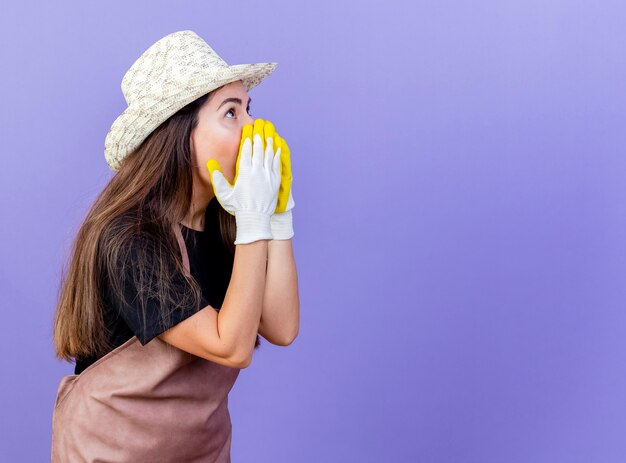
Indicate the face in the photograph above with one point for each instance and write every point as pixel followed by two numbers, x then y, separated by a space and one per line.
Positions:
pixel 218 133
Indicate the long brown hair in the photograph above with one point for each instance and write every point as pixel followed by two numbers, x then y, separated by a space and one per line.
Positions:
pixel 137 210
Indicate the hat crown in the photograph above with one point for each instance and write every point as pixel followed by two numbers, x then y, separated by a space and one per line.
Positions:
pixel 173 62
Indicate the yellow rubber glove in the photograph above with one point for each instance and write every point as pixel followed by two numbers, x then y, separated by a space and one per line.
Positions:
pixel 253 195
pixel 282 220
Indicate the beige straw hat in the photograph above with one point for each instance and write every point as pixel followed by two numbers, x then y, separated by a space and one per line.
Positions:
pixel 173 72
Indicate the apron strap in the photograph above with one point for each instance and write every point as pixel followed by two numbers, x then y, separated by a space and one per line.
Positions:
pixel 183 248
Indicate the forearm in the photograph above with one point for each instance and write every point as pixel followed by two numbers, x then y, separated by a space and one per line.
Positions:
pixel 280 316
pixel 238 320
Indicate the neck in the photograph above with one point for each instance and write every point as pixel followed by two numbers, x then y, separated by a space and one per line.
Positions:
pixel 201 198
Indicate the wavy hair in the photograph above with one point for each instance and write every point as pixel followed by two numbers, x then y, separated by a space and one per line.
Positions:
pixel 149 195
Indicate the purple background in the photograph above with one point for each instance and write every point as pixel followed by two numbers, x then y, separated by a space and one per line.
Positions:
pixel 459 184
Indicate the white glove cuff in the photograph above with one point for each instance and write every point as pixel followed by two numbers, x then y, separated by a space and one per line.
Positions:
pixel 282 225
pixel 252 226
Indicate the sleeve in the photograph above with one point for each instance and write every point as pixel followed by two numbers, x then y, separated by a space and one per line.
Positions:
pixel 149 320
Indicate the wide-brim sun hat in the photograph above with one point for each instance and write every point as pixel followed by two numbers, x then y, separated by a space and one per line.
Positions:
pixel 173 72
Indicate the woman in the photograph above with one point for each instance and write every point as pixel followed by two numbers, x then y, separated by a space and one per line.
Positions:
pixel 183 258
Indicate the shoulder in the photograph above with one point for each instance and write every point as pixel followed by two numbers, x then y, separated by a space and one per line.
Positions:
pixel 145 240
pixel 139 253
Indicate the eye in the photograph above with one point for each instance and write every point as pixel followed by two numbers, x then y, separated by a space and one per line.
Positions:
pixel 233 111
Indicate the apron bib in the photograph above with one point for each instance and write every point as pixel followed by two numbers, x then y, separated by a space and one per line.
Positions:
pixel 137 403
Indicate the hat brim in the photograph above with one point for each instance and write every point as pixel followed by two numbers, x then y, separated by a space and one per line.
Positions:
pixel 144 115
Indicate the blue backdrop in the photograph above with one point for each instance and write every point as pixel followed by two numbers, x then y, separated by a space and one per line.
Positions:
pixel 459 223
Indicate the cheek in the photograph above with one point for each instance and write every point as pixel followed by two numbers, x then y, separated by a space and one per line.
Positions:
pixel 222 147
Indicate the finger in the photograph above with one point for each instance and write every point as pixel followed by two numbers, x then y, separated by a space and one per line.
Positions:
pixel 276 165
pixel 277 141
pixel 269 131
pixel 269 155
pixel 285 147
pixel 244 160
pixel 286 159
pixel 221 187
pixel 258 142
pixel 257 151
pixel 213 166
pixel 246 133
pixel 258 127
pixel 283 188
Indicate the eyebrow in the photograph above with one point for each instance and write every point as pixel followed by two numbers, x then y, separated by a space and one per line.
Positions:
pixel 236 100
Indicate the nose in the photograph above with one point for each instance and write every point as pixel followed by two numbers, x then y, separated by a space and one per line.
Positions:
pixel 248 119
